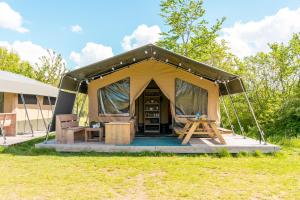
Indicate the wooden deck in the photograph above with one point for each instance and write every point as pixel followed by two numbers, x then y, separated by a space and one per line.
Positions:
pixel 19 138
pixel 234 144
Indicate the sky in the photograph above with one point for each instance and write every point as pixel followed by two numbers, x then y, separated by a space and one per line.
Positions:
pixel 88 31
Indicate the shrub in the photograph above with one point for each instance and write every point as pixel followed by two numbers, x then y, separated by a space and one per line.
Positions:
pixel 223 153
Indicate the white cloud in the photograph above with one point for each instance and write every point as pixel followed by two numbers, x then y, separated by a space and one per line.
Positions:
pixel 248 38
pixel 10 19
pixel 76 28
pixel 91 53
pixel 27 50
pixel 142 35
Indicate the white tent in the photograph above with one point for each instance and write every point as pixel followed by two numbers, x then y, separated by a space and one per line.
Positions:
pixel 15 83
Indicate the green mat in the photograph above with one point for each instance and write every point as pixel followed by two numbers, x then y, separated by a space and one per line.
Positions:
pixel 156 141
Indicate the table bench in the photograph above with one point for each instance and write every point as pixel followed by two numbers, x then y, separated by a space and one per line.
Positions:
pixel 199 127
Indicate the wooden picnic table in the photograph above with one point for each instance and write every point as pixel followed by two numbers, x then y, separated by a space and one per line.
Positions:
pixel 199 127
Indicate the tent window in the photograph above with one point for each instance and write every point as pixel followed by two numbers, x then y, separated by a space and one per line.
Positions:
pixel 114 98
pixel 1 102
pixel 46 101
pixel 29 99
pixel 190 99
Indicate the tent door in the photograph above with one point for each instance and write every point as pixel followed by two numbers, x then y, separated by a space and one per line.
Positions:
pixel 153 112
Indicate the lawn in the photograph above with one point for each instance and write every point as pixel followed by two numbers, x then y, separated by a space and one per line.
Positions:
pixel 27 173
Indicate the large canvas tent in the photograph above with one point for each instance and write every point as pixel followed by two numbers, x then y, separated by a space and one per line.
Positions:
pixel 30 102
pixel 117 83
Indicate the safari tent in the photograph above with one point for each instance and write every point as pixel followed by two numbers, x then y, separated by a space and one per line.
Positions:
pixel 119 87
pixel 25 104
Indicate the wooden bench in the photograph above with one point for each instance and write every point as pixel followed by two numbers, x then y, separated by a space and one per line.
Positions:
pixel 68 129
pixel 8 124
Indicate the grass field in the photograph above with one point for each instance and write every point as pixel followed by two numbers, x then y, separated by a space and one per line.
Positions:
pixel 28 173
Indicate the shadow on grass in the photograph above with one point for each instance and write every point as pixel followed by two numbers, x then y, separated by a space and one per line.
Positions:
pixel 28 149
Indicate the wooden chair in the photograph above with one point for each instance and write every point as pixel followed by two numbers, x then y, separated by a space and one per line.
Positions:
pixel 68 129
pixel 8 124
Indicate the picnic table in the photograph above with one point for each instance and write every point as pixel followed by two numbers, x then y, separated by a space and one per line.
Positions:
pixel 199 127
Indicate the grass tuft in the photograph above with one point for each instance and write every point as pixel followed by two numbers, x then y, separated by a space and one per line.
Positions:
pixel 223 153
pixel 258 153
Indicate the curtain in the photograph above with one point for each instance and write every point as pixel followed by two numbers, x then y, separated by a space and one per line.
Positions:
pixel 190 99
pixel 114 98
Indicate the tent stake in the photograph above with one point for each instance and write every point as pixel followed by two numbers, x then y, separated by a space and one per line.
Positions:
pixel 234 110
pixel 227 114
pixel 252 112
pixel 45 124
pixel 27 115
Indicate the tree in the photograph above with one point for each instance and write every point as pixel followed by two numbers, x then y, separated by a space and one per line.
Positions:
pixel 272 79
pixel 190 35
pixel 11 62
pixel 50 68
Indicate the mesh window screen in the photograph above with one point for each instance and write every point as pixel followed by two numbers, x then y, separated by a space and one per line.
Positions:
pixel 29 99
pixel 46 101
pixel 1 102
pixel 190 99
pixel 114 98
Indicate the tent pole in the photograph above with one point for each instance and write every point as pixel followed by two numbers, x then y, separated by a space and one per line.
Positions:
pixel 45 124
pixel 261 132
pixel 27 115
pixel 227 114
pixel 77 92
pixel 49 125
pixel 234 110
pixel 49 100
pixel 83 103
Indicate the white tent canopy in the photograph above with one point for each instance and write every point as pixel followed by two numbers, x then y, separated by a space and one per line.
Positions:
pixel 15 83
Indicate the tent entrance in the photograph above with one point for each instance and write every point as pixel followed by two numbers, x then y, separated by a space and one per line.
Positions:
pixel 153 112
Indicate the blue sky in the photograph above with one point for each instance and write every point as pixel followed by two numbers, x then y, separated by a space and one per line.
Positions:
pixel 104 24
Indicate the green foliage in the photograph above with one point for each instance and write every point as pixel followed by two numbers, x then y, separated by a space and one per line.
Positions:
pixel 50 68
pixel 242 154
pixel 191 35
pixel 10 61
pixel 223 153
pixel 258 153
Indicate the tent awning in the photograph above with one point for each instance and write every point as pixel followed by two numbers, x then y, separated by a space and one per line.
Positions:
pixel 72 79
pixel 15 83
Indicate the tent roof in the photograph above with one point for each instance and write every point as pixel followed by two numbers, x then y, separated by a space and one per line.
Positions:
pixel 150 51
pixel 15 83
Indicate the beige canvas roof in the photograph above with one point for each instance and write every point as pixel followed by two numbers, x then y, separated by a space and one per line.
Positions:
pixel 91 72
pixel 15 83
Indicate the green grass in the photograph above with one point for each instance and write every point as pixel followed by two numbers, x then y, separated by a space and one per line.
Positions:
pixel 29 173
